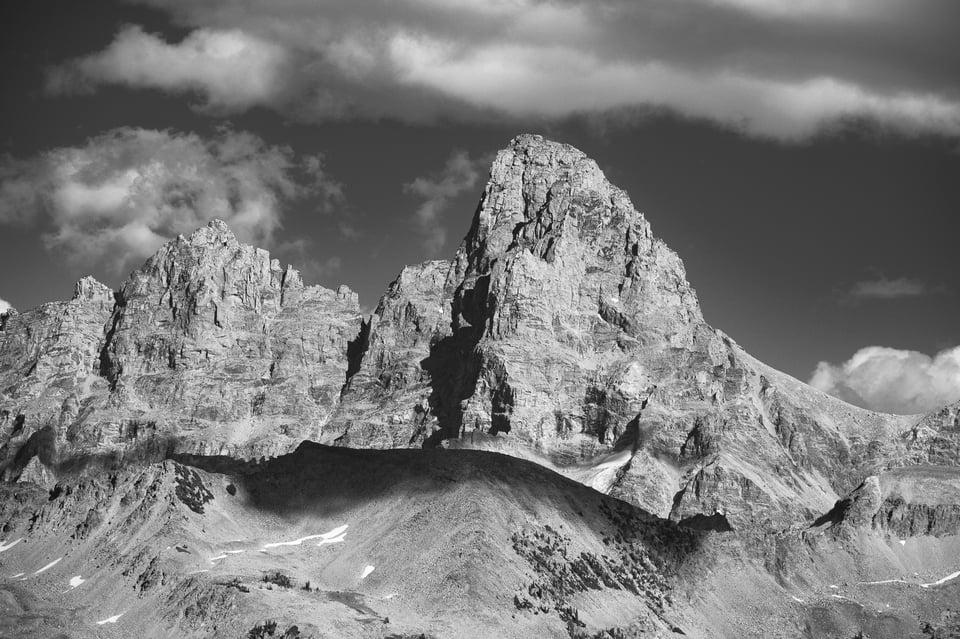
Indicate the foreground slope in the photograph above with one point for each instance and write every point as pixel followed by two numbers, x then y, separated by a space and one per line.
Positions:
pixel 334 542
pixel 391 542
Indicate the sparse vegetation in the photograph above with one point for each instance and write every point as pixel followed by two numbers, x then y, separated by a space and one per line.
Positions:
pixel 236 583
pixel 561 574
pixel 269 629
pixel 277 578
pixel 190 489
pixel 261 630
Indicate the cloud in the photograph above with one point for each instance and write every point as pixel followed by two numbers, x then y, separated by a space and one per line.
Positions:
pixel 892 380
pixel 118 198
pixel 772 68
pixel 459 175
pixel 4 306
pixel 889 289
pixel 232 69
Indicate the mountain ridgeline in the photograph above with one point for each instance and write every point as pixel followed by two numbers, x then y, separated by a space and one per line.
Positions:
pixel 563 332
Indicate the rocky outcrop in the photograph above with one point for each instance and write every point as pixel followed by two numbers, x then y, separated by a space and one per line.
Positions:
pixel 905 502
pixel 212 332
pixel 935 439
pixel 920 500
pixel 389 398
pixel 210 347
pixel 49 360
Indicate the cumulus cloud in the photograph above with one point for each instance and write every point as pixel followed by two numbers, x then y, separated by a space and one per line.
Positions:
pixel 4 306
pixel 459 175
pixel 231 69
pixel 892 380
pixel 772 68
pixel 889 289
pixel 119 197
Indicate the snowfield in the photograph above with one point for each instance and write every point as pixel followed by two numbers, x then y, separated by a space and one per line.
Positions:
pixel 112 619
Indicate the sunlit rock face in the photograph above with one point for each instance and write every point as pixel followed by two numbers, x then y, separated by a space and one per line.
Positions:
pixel 575 339
pixel 563 331
pixel 210 347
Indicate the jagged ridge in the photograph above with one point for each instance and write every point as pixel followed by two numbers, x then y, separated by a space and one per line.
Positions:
pixel 563 331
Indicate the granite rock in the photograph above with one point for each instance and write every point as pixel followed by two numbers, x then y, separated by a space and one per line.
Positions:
pixel 387 400
pixel 210 347
pixel 576 340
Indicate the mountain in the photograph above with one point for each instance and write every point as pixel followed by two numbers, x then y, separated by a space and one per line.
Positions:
pixel 210 347
pixel 563 335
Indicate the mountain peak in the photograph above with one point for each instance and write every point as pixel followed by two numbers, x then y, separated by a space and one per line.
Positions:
pixel 536 145
pixel 89 288
pixel 216 232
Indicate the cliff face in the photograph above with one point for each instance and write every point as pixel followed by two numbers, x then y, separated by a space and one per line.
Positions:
pixel 209 347
pixel 575 339
pixel 563 331
pixel 387 401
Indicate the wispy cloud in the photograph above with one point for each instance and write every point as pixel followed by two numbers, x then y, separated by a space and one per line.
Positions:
pixel 459 175
pixel 773 68
pixel 119 197
pixel 893 380
pixel 883 288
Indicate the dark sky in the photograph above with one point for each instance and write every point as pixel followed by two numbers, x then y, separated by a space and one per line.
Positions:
pixel 803 160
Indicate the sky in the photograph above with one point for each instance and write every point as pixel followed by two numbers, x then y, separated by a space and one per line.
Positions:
pixel 802 156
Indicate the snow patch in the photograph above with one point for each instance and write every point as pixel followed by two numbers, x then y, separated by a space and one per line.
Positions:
pixel 903 542
pixel 49 566
pixel 5 546
pixel 112 619
pixel 295 542
pixel 949 577
pixel 19 574
pixel 233 552
pixel 797 599
pixel 847 599
pixel 213 559
pixel 333 540
pixel 366 572
pixel 834 586
pixel 332 537
pixel 76 581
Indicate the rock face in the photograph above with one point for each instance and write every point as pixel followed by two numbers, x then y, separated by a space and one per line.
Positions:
pixel 575 339
pixel 210 347
pixel 386 403
pixel 563 331
pixel 49 357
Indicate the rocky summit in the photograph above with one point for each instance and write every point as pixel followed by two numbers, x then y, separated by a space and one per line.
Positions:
pixel 707 493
